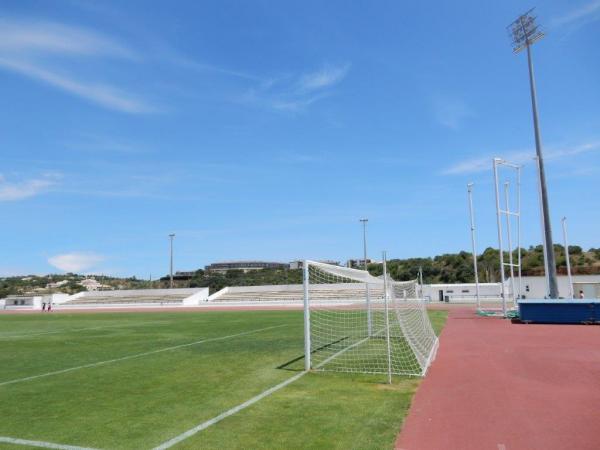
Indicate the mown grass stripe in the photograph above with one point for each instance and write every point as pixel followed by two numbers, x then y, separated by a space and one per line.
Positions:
pixel 138 355
pixel 42 444
pixel 170 443
pixel 70 330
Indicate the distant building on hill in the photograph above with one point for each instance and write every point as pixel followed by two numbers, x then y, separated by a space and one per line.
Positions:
pixel 91 284
pixel 57 284
pixel 246 266
pixel 299 264
pixel 358 263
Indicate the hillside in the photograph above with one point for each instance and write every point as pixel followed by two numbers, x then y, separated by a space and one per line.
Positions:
pixel 447 268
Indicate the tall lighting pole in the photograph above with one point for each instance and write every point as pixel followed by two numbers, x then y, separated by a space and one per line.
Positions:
pixel 364 222
pixel 524 32
pixel 369 320
pixel 473 245
pixel 566 242
pixel 171 236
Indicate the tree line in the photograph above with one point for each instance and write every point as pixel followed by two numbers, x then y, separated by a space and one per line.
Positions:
pixel 446 268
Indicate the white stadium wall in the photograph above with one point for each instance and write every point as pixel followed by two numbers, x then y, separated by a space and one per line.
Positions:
pixel 461 292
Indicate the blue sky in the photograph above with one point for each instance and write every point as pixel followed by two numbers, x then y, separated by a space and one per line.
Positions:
pixel 265 130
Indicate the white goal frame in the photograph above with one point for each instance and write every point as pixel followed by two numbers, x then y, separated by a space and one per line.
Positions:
pixel 381 327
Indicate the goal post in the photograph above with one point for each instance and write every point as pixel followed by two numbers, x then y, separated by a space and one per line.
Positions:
pixel 355 322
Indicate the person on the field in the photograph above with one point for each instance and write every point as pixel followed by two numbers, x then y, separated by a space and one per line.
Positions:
pixel 581 296
pixel 43 306
pixel 49 306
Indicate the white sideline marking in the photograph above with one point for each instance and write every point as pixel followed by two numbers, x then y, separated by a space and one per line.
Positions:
pixel 170 443
pixel 9 440
pixel 177 439
pixel 138 355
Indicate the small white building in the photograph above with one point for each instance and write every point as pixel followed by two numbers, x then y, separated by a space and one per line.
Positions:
pixel 462 292
pixel 535 287
pixel 299 264
pixel 57 284
pixel 90 284
pixel 531 288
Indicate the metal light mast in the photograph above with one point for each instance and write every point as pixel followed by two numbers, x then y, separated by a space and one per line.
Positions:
pixel 567 257
pixel 369 319
pixel 171 236
pixel 524 32
pixel 364 222
pixel 473 245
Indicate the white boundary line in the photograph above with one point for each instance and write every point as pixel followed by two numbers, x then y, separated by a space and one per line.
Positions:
pixel 177 439
pixel 170 443
pixel 138 355
pixel 15 441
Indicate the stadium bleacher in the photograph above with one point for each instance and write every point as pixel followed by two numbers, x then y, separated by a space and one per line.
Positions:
pixel 133 297
pixel 294 293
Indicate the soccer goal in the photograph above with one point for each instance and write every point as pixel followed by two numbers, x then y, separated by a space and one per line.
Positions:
pixel 355 322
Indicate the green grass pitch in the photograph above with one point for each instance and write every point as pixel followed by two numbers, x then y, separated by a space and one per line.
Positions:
pixel 141 402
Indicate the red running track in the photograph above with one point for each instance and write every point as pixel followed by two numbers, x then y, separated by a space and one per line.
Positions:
pixel 501 386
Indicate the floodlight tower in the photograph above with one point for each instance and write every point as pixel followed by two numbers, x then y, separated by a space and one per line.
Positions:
pixel 171 236
pixel 364 222
pixel 473 245
pixel 524 32
pixel 369 320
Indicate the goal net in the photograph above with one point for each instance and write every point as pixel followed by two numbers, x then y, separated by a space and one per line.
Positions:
pixel 355 322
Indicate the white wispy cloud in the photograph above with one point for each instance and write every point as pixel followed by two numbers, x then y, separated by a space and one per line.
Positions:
pixel 33 49
pixel 102 94
pixel 481 164
pixel 19 36
pixel 298 158
pixel 92 143
pixel 451 112
pixel 76 261
pixel 19 190
pixel 325 77
pixel 586 12
pixel 295 93
pixel 187 63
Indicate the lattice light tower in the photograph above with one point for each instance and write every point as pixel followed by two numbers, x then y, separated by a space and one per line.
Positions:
pixel 524 32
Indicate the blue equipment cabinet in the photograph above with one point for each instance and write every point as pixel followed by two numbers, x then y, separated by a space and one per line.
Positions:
pixel 560 311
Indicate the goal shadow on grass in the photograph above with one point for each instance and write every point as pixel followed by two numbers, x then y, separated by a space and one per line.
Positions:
pixel 297 364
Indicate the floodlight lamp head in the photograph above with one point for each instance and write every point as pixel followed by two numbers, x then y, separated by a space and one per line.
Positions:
pixel 363 220
pixel 524 31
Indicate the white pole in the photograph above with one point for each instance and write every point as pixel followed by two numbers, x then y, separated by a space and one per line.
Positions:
pixel 171 236
pixel 499 224
pixel 543 224
pixel 510 247
pixel 564 227
pixel 387 318
pixel 307 362
pixel 519 228
pixel 369 320
pixel 473 245
pixel 421 282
